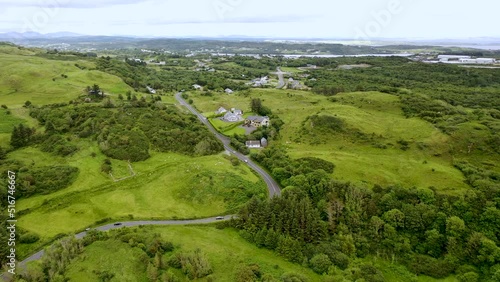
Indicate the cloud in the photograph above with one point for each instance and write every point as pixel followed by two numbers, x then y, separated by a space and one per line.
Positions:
pixel 68 3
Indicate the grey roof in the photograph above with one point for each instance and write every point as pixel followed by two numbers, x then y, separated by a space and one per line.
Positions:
pixel 257 118
pixel 253 143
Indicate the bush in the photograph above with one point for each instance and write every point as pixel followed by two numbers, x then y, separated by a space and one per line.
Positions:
pixel 29 238
pixel 293 277
pixel 45 180
pixel 320 263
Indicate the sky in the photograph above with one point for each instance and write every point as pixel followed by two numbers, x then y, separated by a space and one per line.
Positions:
pixel 329 19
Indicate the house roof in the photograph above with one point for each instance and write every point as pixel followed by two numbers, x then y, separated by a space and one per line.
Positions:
pixel 257 118
pixel 253 143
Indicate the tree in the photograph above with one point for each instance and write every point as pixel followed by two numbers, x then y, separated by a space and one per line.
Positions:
pixel 21 136
pixel 256 105
pixel 320 263
pixel 3 153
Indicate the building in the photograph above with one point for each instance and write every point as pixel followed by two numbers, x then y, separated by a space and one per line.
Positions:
pixel 197 87
pixel 237 111
pixel 229 91
pixel 253 144
pixel 263 142
pixel 234 115
pixel 257 121
pixel 220 111
pixel 468 61
pixel 485 60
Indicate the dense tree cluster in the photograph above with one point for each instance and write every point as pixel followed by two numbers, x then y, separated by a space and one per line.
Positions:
pixel 21 136
pixel 126 134
pixel 473 88
pixel 44 180
pixel 326 223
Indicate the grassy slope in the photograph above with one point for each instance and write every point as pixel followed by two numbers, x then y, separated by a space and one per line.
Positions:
pixel 361 163
pixel 26 77
pixel 220 246
pixel 166 186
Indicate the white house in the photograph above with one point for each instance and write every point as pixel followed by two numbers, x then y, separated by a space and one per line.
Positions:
pixel 197 87
pixel 237 111
pixel 220 111
pixel 234 115
pixel 231 117
pixel 229 91
pixel 253 144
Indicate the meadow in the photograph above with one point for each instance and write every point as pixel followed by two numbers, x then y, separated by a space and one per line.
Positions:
pixel 220 246
pixel 425 163
pixel 26 77
pixel 166 186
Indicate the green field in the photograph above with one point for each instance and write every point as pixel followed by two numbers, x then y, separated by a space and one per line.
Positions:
pixel 426 163
pixel 8 121
pixel 39 80
pixel 166 186
pixel 220 246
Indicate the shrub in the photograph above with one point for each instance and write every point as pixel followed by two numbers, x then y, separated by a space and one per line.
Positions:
pixel 29 238
pixel 320 263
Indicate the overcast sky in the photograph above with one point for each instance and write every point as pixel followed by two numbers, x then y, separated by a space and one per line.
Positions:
pixel 362 19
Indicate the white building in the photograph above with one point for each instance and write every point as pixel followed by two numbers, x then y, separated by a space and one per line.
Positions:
pixel 151 90
pixel 485 61
pixel 197 87
pixel 229 91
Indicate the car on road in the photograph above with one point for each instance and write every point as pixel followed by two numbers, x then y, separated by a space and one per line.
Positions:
pixel 87 229
pixel 117 224
pixel 219 218
pixel 246 161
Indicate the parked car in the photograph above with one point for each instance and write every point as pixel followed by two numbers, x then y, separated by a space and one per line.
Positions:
pixel 219 218
pixel 117 224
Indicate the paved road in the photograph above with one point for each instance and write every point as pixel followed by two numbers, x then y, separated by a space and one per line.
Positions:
pixel 272 186
pixel 21 265
pixel 281 77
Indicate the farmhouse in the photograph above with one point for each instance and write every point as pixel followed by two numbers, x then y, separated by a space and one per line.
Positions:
pixel 257 121
pixel 253 144
pixel 256 143
pixel 229 91
pixel 197 87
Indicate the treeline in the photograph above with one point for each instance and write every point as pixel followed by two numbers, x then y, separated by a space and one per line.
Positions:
pixel 468 87
pixel 138 76
pixel 125 134
pixel 327 224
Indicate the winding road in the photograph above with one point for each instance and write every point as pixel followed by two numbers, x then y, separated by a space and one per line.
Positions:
pixel 281 77
pixel 272 186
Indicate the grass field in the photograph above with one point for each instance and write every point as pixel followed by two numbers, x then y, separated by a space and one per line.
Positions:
pixel 426 163
pixel 220 246
pixel 166 186
pixel 39 80
pixel 8 121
